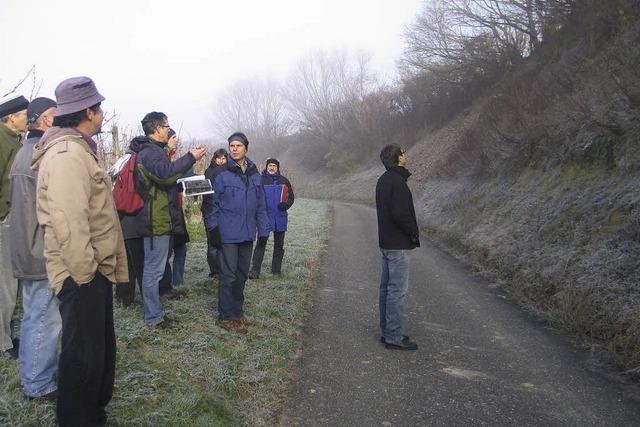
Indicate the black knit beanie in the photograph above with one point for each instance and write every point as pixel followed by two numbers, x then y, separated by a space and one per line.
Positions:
pixel 38 106
pixel 239 136
pixel 274 161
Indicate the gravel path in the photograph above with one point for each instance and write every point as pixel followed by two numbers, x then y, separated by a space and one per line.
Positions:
pixel 482 360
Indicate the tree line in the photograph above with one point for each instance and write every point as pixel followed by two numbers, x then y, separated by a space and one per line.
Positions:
pixel 331 111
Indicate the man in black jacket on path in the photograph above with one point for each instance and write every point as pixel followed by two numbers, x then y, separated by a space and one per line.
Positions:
pixel 397 234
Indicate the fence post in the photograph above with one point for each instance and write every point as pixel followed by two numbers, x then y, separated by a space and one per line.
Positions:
pixel 115 138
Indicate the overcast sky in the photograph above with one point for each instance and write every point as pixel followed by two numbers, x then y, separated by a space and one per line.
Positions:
pixel 175 56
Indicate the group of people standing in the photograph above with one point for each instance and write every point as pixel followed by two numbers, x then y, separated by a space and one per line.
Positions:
pixel 62 237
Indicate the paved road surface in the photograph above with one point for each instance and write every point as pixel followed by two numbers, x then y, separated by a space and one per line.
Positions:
pixel 481 361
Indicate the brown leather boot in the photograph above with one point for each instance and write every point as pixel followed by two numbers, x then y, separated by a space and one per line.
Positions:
pixel 232 326
pixel 244 321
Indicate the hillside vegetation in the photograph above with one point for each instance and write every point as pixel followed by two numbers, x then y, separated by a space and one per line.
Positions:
pixel 537 181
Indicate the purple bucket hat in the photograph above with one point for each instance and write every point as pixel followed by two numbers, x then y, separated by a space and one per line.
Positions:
pixel 76 94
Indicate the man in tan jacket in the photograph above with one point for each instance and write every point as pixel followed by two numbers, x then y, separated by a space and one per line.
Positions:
pixel 84 251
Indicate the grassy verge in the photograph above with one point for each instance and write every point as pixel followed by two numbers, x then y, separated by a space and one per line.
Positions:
pixel 198 374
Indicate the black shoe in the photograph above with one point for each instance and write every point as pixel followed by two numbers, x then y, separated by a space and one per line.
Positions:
pixel 383 340
pixel 12 353
pixel 101 419
pixel 124 303
pixel 51 396
pixel 405 344
pixel 165 324
pixel 173 295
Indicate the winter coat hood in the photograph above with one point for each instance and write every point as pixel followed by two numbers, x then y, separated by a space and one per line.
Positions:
pixel 138 143
pixel 51 137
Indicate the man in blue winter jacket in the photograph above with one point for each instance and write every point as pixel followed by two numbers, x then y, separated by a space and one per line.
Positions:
pixel 279 199
pixel 238 212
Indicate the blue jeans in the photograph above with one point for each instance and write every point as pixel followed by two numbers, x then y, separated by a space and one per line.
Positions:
pixel 394 282
pixel 41 324
pixel 179 258
pixel 156 250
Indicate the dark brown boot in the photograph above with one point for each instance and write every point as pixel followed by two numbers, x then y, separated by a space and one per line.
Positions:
pixel 232 326
pixel 244 321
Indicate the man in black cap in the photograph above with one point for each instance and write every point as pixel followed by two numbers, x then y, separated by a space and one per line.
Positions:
pixel 239 212
pixel 279 199
pixel 41 322
pixel 84 251
pixel 13 123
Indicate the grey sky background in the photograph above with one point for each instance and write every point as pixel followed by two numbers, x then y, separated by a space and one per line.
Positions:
pixel 175 56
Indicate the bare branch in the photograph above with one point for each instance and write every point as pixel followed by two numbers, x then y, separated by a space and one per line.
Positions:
pixel 15 88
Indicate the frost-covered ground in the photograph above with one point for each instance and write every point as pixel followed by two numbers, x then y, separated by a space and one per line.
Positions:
pixel 197 373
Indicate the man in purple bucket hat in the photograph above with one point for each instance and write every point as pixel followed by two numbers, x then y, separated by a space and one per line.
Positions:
pixel 84 251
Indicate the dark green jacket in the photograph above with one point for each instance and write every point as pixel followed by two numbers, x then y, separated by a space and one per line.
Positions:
pixel 156 178
pixel 10 143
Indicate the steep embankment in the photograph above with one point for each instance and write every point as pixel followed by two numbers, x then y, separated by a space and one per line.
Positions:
pixel 539 184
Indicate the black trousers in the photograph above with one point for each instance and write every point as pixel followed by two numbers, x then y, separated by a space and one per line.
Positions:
pixel 212 255
pixel 234 270
pixel 164 285
pixel 87 366
pixel 126 292
pixel 278 254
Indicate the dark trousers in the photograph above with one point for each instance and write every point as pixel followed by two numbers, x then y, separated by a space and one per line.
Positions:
pixel 235 259
pixel 86 370
pixel 164 285
pixel 212 256
pixel 278 254
pixel 126 292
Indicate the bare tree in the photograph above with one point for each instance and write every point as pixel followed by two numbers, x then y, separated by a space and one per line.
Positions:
pixel 256 107
pixel 463 31
pixel 36 84
pixel 324 87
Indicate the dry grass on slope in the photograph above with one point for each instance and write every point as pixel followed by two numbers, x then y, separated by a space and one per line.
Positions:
pixel 538 185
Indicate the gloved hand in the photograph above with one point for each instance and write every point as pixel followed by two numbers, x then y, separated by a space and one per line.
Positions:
pixel 215 238
pixel 262 240
pixel 283 206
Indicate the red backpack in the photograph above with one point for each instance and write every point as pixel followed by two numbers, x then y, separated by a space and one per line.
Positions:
pixel 127 199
